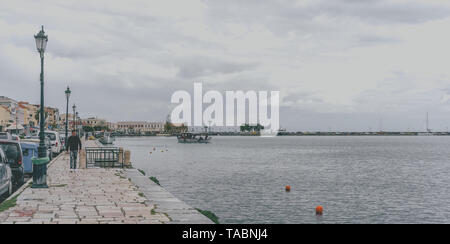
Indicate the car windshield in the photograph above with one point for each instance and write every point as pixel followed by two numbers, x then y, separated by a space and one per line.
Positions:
pixel 51 136
pixel 11 151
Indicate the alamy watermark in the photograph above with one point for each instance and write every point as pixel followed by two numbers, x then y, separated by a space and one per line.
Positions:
pixel 191 112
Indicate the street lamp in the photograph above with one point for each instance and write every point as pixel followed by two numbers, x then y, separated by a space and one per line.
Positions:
pixel 17 119
pixel 40 163
pixel 77 121
pixel 74 107
pixel 67 114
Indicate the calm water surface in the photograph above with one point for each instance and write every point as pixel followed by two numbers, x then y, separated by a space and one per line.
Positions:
pixel 356 179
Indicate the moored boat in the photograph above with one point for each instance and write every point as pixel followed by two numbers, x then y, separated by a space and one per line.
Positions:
pixel 193 138
pixel 107 139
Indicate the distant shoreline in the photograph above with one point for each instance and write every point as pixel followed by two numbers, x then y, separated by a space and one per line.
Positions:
pixel 306 134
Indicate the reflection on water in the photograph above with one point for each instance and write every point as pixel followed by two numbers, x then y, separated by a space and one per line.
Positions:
pixel 356 179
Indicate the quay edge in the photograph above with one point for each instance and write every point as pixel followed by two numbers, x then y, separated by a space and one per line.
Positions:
pixel 164 202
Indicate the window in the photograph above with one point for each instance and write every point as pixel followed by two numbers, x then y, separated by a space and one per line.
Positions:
pixel 11 150
pixel 51 136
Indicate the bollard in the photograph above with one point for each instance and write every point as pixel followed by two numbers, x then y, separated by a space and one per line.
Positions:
pixel 40 172
pixel 121 155
pixel 82 159
pixel 127 158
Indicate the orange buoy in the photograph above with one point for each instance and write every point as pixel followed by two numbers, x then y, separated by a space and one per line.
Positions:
pixel 288 188
pixel 319 210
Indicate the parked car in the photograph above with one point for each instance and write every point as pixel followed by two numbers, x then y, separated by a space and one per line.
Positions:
pixel 14 158
pixel 29 151
pixel 48 144
pixel 57 146
pixel 62 138
pixel 5 176
pixel 5 136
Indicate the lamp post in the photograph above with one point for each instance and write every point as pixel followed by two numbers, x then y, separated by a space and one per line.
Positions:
pixel 40 163
pixel 77 121
pixel 67 114
pixel 74 107
pixel 17 119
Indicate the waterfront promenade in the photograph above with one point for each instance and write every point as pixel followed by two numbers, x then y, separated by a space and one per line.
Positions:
pixel 96 196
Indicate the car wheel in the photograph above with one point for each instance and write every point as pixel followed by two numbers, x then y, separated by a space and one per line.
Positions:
pixel 21 181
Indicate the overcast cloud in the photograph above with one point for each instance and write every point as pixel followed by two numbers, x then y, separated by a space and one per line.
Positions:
pixel 339 64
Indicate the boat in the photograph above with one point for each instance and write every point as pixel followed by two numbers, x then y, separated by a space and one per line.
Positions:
pixel 193 138
pixel 428 130
pixel 107 139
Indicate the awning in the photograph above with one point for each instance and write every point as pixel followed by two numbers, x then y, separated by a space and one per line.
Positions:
pixel 13 127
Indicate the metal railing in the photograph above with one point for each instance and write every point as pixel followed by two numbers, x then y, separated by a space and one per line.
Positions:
pixel 104 157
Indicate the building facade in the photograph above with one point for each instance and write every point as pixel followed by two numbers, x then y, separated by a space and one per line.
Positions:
pixel 9 103
pixel 112 126
pixel 28 112
pixel 12 105
pixel 62 120
pixel 71 117
pixel 5 117
pixel 52 117
pixel 140 127
pixel 94 121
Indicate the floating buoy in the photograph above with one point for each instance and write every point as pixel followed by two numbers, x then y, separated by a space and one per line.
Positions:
pixel 288 188
pixel 319 210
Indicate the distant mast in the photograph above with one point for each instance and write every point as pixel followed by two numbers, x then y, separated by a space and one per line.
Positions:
pixel 428 128
pixel 381 124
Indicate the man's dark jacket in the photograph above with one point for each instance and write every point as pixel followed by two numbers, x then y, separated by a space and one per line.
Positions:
pixel 74 143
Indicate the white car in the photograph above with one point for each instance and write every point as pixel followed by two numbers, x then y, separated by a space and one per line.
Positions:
pixel 57 146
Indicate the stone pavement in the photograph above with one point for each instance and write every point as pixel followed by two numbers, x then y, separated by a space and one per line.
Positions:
pixel 91 196
pixel 163 201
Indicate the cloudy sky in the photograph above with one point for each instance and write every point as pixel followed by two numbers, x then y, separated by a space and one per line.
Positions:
pixel 338 64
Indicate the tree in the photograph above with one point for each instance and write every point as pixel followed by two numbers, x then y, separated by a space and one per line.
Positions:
pixel 251 128
pixel 100 128
pixel 38 114
pixel 179 129
pixel 183 128
pixel 245 127
pixel 168 126
pixel 88 128
pixel 258 127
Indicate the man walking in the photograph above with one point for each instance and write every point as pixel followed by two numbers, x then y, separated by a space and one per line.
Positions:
pixel 73 146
